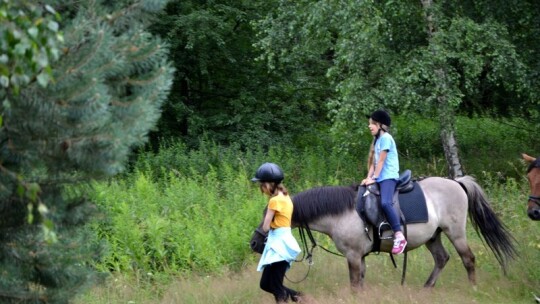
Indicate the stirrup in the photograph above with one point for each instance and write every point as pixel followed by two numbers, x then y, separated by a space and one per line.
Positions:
pixel 381 225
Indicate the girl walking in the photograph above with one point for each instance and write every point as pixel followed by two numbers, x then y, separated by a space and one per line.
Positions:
pixel 281 247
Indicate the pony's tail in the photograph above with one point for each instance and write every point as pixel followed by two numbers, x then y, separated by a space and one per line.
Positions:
pixel 486 222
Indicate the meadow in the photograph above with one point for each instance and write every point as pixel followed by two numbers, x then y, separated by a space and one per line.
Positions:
pixel 177 227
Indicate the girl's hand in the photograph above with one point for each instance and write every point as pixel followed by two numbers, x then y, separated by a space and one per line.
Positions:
pixel 368 181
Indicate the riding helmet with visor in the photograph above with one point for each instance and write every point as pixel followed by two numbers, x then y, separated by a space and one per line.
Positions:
pixel 268 172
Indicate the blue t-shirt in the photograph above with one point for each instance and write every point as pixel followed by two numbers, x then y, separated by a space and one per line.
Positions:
pixel 390 169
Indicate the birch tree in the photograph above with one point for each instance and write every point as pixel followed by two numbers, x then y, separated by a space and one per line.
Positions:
pixel 433 58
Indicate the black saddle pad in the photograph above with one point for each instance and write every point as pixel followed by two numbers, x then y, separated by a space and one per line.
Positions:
pixel 413 205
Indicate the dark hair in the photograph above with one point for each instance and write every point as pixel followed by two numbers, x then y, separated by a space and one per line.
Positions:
pixel 275 187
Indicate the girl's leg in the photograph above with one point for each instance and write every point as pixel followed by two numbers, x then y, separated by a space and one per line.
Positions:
pixel 387 195
pixel 272 281
pixel 387 188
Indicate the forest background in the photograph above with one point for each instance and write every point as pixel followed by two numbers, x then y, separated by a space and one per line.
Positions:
pixel 223 86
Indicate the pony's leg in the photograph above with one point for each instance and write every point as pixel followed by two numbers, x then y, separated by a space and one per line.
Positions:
pixel 357 271
pixel 440 257
pixel 467 257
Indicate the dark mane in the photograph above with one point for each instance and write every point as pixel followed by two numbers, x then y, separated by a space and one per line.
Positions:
pixel 534 164
pixel 314 203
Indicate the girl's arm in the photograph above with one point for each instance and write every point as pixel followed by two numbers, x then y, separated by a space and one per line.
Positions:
pixel 380 164
pixel 268 219
pixel 371 170
pixel 367 180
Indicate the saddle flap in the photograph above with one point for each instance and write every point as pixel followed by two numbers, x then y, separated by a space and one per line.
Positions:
pixel 368 205
pixel 372 209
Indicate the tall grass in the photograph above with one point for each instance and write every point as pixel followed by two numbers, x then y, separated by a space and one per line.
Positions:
pixel 209 269
pixel 187 215
pixel 183 226
pixel 187 211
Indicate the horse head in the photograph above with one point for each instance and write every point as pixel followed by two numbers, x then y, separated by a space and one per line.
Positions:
pixel 533 175
pixel 258 238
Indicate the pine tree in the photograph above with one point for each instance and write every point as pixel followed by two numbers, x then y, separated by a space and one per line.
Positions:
pixel 105 95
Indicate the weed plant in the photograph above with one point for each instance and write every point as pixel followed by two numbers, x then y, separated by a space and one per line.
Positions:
pixel 177 213
pixel 184 213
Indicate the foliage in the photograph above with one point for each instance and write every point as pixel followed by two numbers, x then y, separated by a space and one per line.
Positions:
pixel 485 144
pixel 109 83
pixel 182 195
pixel 184 211
pixel 188 219
pixel 317 165
pixel 170 232
pixel 221 90
pixel 518 19
pixel 30 41
pixel 383 57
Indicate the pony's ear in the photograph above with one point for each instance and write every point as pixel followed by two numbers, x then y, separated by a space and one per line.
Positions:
pixel 528 158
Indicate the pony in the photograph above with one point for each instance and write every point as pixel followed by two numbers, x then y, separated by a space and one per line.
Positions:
pixel 331 210
pixel 533 175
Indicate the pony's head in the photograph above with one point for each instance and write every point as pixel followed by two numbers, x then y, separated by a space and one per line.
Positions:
pixel 533 175
pixel 258 238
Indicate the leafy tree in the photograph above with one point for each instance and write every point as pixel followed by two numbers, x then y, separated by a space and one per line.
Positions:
pixel 29 42
pixel 106 91
pixel 437 58
pixel 222 90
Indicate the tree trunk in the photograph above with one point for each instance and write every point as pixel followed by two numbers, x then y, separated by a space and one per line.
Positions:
pixel 445 109
pixel 449 142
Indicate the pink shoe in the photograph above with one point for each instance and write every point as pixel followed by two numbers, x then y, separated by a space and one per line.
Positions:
pixel 399 246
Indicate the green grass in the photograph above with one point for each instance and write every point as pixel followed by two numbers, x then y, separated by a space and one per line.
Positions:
pixel 178 228
pixel 327 282
pixel 165 252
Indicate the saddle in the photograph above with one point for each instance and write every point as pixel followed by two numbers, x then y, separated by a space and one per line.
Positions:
pixel 369 208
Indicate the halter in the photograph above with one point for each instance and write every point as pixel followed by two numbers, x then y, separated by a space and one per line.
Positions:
pixel 534 198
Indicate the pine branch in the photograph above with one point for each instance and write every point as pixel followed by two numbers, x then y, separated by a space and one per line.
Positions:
pixel 88 102
pixel 141 82
pixel 91 55
pixel 112 19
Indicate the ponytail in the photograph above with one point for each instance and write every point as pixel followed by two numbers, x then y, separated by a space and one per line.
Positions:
pixel 282 188
pixel 371 154
pixel 274 188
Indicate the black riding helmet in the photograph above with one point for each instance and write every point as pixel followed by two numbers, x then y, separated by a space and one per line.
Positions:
pixel 269 172
pixel 382 117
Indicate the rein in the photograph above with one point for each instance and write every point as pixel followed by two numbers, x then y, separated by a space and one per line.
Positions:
pixel 308 253
pixel 313 242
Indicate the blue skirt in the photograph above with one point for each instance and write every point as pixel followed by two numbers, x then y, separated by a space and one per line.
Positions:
pixel 280 246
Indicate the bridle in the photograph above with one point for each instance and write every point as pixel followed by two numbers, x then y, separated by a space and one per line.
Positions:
pixel 534 198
